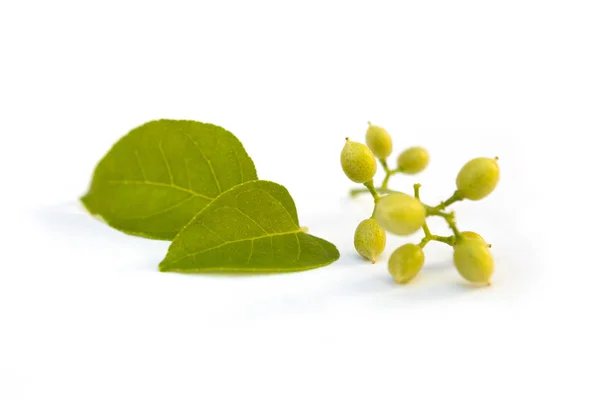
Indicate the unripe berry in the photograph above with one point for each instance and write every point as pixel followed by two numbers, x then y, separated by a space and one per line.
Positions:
pixel 478 178
pixel 400 214
pixel 369 239
pixel 474 236
pixel 413 160
pixel 406 262
pixel 473 260
pixel 358 162
pixel 379 141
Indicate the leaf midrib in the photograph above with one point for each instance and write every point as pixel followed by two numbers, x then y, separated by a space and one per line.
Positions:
pixel 161 184
pixel 299 230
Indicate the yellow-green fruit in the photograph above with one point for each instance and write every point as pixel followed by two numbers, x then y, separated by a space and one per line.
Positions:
pixel 473 260
pixel 358 162
pixel 379 141
pixel 406 262
pixel 474 236
pixel 413 160
pixel 369 239
pixel 400 214
pixel 478 178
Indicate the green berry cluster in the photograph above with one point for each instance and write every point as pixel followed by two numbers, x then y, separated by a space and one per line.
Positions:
pixel 402 214
pixel 359 162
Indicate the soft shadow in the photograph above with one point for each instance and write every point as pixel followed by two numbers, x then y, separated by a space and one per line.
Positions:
pixel 367 284
pixel 73 220
pixel 77 235
pixel 436 282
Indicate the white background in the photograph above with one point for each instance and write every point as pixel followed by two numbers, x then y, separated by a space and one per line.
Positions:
pixel 84 312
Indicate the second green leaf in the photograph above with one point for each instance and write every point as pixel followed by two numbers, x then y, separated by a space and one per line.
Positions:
pixel 253 227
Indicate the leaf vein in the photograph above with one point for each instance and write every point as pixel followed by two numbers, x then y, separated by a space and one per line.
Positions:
pixel 212 170
pixel 162 153
pixel 164 210
pixel 317 241
pixel 161 184
pixel 299 247
pixel 234 241
pixel 237 158
pixel 282 206
pixel 249 217
pixel 137 157
pixel 213 232
pixel 187 173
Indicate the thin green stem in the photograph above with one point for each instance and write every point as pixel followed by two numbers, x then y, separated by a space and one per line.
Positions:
pixel 357 191
pixel 388 173
pixel 383 162
pixel 430 211
pixel 426 231
pixel 456 196
pixel 384 183
pixel 416 189
pixel 449 217
pixel 372 190
pixel 449 240
pixel 452 225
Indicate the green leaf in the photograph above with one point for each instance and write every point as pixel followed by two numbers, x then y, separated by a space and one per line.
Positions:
pixel 252 227
pixel 158 176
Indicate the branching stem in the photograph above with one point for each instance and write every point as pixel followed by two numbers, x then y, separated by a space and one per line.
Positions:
pixel 456 196
pixel 449 217
pixel 373 191
pixel 380 190
pixel 430 211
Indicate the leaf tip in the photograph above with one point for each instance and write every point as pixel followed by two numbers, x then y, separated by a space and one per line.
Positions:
pixel 83 199
pixel 86 202
pixel 163 267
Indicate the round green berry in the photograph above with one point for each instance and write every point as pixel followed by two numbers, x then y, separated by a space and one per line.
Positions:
pixel 406 262
pixel 400 214
pixel 358 162
pixel 413 160
pixel 379 141
pixel 474 236
pixel 369 239
pixel 478 178
pixel 473 260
